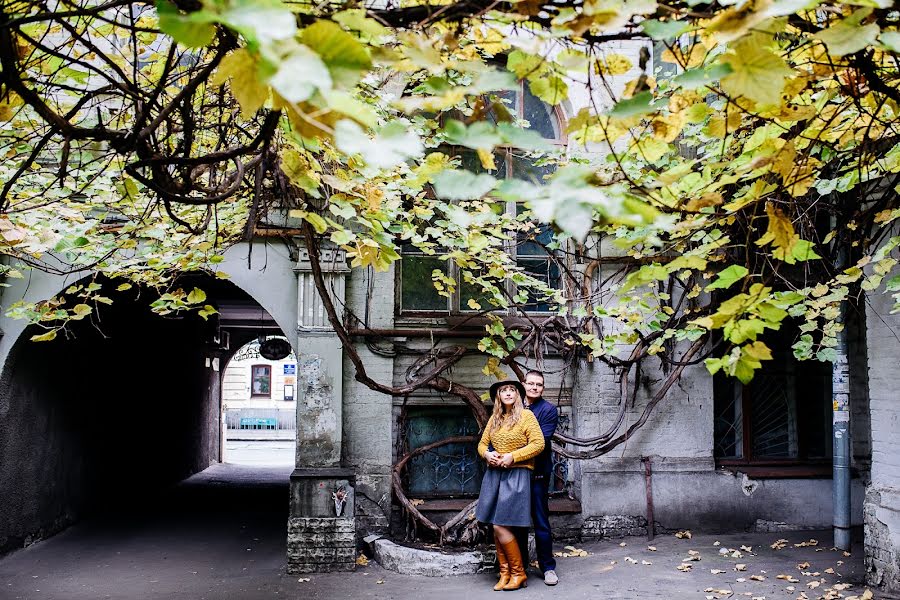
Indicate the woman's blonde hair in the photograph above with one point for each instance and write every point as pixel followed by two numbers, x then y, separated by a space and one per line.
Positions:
pixel 499 418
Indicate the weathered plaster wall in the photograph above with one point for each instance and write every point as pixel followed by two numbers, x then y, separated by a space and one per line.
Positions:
pixel 367 419
pixel 882 506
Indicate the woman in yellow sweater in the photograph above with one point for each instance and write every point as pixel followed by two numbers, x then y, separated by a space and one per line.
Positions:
pixel 511 440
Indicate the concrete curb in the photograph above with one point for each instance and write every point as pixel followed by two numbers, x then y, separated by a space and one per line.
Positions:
pixel 412 561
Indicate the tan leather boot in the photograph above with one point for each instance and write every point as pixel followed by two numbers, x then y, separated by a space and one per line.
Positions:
pixel 504 565
pixel 517 577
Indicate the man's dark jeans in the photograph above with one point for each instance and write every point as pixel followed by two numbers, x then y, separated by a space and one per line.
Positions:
pixel 540 518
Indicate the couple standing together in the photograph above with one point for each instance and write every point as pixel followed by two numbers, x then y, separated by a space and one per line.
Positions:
pixel 515 488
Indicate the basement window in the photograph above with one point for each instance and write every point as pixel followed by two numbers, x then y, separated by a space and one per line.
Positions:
pixel 780 419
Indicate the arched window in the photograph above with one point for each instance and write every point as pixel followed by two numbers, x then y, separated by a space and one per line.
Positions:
pixel 417 293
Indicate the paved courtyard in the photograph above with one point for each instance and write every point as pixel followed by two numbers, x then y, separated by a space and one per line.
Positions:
pixel 221 534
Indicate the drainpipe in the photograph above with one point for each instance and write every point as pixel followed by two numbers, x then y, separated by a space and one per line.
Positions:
pixel 840 389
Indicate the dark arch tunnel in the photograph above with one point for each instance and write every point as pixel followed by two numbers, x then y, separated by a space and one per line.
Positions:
pixel 108 417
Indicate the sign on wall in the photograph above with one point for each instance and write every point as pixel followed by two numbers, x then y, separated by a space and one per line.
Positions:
pixel 290 369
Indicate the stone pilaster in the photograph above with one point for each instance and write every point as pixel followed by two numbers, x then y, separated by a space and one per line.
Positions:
pixel 322 524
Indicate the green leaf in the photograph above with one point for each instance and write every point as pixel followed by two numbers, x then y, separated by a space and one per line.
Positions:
pixel 847 37
pixel 551 90
pixel 192 30
pixel 479 135
pixel 728 277
pixel 803 250
pixel 890 40
pixel 693 78
pixel 462 185
pixel 525 139
pixel 640 104
pixel 260 21
pixel 196 296
pixel 664 30
pixel 342 237
pixel 206 311
pixel 345 56
pixel 756 72
pixel 44 337
pixel 123 287
pixel 391 146
pixel 300 75
pixel 357 20
pixel 80 311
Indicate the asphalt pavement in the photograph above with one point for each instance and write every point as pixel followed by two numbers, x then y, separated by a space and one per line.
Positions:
pixel 221 534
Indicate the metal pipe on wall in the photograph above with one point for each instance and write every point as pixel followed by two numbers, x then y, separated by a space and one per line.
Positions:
pixel 840 391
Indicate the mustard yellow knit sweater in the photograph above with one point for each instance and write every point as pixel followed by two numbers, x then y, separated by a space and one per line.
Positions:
pixel 524 440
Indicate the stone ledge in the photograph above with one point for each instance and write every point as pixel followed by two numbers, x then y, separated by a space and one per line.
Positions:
pixel 412 561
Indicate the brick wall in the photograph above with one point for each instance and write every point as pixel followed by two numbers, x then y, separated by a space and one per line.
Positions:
pixel 882 504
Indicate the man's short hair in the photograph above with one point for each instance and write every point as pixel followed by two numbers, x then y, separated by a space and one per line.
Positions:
pixel 535 372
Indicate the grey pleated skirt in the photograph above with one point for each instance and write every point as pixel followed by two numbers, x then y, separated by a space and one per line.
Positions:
pixel 505 497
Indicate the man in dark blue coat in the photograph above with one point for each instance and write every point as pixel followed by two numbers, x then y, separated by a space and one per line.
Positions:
pixel 548 416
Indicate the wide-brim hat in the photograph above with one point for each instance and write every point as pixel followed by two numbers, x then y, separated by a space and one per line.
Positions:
pixel 513 382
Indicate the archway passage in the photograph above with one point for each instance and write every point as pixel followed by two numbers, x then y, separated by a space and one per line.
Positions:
pixel 259 403
pixel 108 417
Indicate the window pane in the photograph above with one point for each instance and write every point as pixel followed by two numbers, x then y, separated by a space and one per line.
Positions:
pixel 523 167
pixel 418 291
pixel 728 423
pixel 545 270
pixel 541 116
pixel 773 417
pixel 471 291
pixel 470 162
pixel 454 469
pixel 261 380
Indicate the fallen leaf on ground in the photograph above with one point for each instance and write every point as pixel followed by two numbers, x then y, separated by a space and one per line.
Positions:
pixel 717 571
pixel 628 559
pixel 303 580
pixel 813 584
pixel 684 567
pixel 416 501
pixel 717 543
pixel 740 580
pixel 747 548
pixel 803 565
pixel 757 578
pixel 362 561
pixel 651 548
pixel 788 578
pixel 380 581
pixel 646 562
pixel 808 543
pixel 830 571
pixel 686 534
pixel 842 586
pixel 779 544
pixel 740 567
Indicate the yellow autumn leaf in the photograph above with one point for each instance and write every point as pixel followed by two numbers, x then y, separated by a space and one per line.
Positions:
pixel 487 159
pixel 780 232
pixel 240 67
pixel 692 56
pixel 614 64
pixel 757 73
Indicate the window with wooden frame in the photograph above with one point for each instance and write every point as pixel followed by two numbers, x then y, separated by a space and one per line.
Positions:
pixel 261 381
pixel 779 424
pixel 417 294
